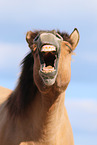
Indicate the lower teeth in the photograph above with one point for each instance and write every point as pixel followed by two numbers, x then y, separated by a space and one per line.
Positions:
pixel 48 69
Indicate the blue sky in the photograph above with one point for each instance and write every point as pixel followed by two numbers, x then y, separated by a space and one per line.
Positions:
pixel 18 17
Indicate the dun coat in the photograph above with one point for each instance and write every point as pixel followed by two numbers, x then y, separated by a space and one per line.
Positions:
pixel 34 113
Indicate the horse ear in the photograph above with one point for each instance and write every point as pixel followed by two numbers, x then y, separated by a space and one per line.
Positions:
pixel 75 38
pixel 29 38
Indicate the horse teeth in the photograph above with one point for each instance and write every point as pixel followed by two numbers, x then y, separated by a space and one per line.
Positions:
pixel 47 48
pixel 48 69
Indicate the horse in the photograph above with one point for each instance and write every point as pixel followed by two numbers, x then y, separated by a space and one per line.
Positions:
pixel 34 112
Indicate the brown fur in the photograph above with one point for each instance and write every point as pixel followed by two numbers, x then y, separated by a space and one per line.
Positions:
pixel 18 102
pixel 34 114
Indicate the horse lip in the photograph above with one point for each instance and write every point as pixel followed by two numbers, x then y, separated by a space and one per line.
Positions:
pixel 48 78
pixel 49 74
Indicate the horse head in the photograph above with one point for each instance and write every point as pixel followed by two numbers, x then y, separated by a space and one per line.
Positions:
pixel 51 51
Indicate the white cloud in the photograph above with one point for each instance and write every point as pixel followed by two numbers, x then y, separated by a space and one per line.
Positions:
pixel 88 56
pixel 83 114
pixel 19 10
pixel 11 55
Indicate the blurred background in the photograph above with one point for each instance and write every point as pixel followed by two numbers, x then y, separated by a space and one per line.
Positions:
pixel 18 17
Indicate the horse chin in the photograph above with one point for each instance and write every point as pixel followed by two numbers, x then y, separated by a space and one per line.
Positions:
pixel 48 78
pixel 49 82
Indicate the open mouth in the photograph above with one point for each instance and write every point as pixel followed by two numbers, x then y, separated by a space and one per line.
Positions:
pixel 49 46
pixel 49 63
pixel 48 58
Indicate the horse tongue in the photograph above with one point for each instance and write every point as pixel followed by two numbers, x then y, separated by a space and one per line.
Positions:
pixel 48 69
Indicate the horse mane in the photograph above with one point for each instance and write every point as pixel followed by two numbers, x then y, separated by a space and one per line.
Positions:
pixel 65 36
pixel 26 89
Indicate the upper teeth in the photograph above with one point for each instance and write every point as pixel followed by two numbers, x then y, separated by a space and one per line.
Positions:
pixel 46 48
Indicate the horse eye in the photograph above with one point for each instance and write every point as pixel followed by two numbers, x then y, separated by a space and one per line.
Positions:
pixel 69 47
pixel 58 36
pixel 36 38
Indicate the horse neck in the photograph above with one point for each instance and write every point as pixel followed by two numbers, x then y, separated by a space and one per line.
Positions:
pixel 48 112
